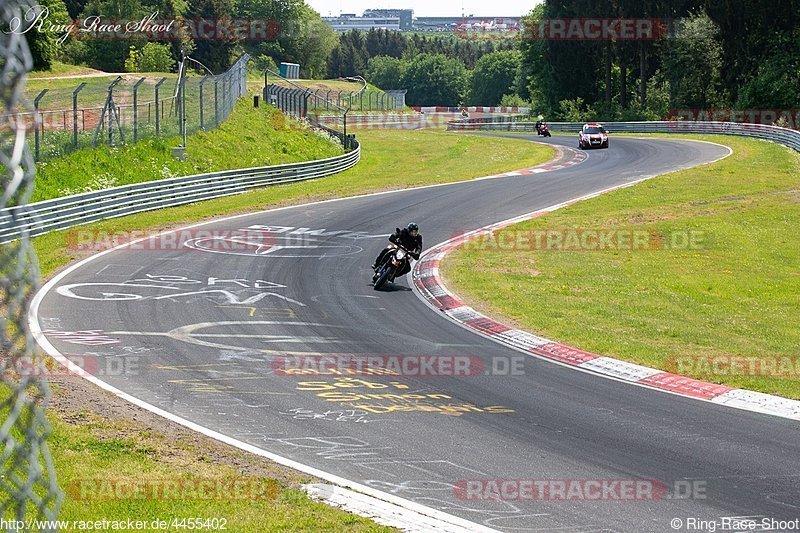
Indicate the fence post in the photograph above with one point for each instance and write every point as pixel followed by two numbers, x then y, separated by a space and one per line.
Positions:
pixel 158 117
pixel 75 114
pixel 36 122
pixel 202 103
pixel 216 101
pixel 136 110
pixel 109 103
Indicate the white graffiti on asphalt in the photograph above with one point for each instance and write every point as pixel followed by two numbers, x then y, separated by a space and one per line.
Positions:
pixel 347 415
pixel 235 291
pixel 283 242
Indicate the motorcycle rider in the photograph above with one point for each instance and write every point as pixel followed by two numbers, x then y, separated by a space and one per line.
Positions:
pixel 410 239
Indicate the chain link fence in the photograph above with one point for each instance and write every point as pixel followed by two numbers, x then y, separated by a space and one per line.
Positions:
pixel 369 100
pixel 28 485
pixel 127 109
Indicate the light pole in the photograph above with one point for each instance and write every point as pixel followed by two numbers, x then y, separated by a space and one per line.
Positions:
pixel 350 103
pixel 180 151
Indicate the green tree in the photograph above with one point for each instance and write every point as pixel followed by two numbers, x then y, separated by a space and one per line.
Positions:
pixel 43 44
pixel 317 41
pixel 435 79
pixel 776 84
pixel 693 63
pixel 493 76
pixel 386 72
pixel 110 54
pixel 155 57
pixel 215 53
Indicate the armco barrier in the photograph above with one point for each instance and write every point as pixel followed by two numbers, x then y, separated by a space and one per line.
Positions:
pixel 784 136
pixel 60 213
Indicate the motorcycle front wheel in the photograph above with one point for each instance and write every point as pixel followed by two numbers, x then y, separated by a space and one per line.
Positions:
pixel 382 277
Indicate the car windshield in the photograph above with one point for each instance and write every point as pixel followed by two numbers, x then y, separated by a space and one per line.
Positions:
pixel 593 130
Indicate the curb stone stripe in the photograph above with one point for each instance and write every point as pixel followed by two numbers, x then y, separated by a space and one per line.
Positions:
pixel 429 287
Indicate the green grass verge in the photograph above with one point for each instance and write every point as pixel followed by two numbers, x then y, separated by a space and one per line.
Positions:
pixel 438 158
pixel 250 137
pixel 62 69
pixel 736 294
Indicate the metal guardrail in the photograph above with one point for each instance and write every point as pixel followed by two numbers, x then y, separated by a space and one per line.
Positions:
pixel 784 136
pixel 65 212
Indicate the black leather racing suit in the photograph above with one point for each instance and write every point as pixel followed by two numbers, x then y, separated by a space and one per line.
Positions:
pixel 404 238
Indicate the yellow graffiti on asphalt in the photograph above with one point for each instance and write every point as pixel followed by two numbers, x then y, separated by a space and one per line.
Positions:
pixel 390 400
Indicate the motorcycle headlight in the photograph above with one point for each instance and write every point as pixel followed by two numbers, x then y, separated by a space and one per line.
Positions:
pixel 400 254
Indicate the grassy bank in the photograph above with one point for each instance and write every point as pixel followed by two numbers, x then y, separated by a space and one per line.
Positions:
pixel 250 137
pixel 438 158
pixel 735 291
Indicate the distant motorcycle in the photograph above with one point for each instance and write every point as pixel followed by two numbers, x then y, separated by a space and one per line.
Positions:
pixel 394 262
pixel 544 131
pixel 464 114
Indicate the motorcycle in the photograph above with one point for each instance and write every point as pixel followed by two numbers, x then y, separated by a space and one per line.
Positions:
pixel 394 262
pixel 544 131
pixel 464 113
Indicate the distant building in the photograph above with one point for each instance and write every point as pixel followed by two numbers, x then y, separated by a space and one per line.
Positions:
pixel 406 16
pixel 351 22
pixel 404 20
pixel 467 23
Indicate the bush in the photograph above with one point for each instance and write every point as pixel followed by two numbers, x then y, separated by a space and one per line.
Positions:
pixel 493 76
pixel 154 57
pixel 435 79
pixel 514 100
pixel 386 72
pixel 574 111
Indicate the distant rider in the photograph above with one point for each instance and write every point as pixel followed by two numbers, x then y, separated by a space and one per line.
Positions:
pixel 410 239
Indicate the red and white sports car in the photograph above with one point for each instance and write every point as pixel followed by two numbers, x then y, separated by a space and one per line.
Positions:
pixel 593 136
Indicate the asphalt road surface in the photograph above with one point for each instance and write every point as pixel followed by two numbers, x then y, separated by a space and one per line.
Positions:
pixel 202 330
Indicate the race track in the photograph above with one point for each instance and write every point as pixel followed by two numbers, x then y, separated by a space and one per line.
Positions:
pixel 197 330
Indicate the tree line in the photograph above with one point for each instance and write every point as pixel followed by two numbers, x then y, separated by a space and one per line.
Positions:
pixel 436 70
pixel 713 54
pixel 703 55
